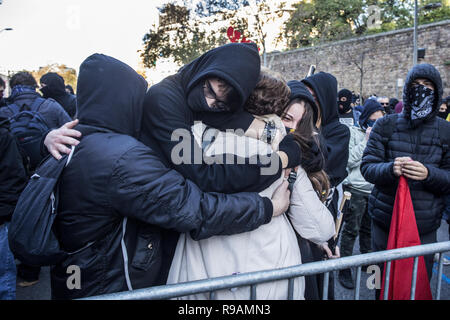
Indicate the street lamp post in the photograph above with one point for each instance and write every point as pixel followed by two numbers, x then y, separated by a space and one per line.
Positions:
pixel 429 6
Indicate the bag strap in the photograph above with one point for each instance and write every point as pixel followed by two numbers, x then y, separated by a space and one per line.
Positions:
pixel 14 108
pixel 388 129
pixel 36 104
pixel 70 156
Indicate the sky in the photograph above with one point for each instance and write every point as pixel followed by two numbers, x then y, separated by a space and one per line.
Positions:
pixel 68 31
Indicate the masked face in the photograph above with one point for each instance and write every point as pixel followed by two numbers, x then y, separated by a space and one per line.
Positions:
pixel 422 100
pixel 344 105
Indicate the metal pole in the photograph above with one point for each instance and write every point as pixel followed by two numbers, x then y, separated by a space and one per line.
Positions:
pixel 326 279
pixel 416 9
pixel 439 278
pixel 386 280
pixel 358 280
pixel 414 279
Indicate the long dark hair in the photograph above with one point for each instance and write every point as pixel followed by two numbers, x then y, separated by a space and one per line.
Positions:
pixel 313 160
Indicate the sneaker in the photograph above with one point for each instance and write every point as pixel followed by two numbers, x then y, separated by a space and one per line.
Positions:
pixel 24 284
pixel 345 278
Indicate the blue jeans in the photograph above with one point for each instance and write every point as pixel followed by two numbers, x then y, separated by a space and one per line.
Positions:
pixel 7 267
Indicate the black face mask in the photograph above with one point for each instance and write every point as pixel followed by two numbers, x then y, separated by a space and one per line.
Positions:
pixel 443 114
pixel 344 106
pixel 47 92
pixel 197 101
pixel 289 130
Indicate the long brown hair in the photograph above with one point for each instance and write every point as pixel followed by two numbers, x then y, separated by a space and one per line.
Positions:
pixel 307 134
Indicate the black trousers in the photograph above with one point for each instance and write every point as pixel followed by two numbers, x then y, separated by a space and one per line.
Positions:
pixel 379 243
pixel 28 273
pixel 310 252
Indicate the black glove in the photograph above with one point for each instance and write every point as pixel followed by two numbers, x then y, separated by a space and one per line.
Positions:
pixel 313 160
pixel 289 146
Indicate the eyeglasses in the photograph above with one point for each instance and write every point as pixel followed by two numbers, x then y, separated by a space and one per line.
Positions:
pixel 384 103
pixel 210 94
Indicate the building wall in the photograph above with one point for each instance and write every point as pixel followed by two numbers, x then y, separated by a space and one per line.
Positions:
pixel 387 57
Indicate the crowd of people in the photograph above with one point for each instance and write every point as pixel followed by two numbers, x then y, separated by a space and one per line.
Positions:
pixel 220 169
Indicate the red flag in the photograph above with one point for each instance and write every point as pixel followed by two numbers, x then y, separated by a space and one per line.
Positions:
pixel 404 233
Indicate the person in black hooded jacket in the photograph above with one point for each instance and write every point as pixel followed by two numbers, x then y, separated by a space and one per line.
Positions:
pixel 410 144
pixel 323 87
pixel 336 136
pixel 124 221
pixel 188 96
pixel 52 86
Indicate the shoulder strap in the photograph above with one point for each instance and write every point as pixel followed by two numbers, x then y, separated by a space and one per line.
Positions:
pixel 14 108
pixel 36 104
pixel 388 128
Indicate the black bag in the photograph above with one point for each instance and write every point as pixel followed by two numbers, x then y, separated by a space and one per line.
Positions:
pixel 31 236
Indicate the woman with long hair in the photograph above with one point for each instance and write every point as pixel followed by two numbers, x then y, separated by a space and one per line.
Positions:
pixel 273 245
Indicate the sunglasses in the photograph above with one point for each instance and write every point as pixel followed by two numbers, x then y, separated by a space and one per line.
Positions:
pixel 384 103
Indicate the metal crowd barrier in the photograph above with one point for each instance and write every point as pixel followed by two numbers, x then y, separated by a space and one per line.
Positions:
pixel 252 279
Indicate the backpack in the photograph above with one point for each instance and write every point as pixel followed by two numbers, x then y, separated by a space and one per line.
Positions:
pixel 28 126
pixel 31 235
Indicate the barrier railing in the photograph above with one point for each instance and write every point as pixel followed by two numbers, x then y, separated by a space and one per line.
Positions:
pixel 252 279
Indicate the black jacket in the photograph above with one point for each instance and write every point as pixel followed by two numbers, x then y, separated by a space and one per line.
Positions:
pixel 168 107
pixel 13 176
pixel 422 143
pixel 54 88
pixel 336 134
pixel 113 176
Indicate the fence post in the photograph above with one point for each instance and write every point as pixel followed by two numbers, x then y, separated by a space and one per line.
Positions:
pixel 414 278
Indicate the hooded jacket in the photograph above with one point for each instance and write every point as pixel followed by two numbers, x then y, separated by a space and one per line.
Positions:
pixel 168 107
pixel 54 88
pixel 358 143
pixel 422 143
pixel 13 177
pixel 119 202
pixel 336 135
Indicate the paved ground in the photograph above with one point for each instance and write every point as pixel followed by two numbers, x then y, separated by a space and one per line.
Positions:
pixel 41 291
pixel 367 294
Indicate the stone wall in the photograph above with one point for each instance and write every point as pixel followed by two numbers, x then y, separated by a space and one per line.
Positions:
pixel 385 58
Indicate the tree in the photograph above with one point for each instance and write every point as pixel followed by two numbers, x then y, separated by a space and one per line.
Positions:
pixel 318 21
pixel 187 31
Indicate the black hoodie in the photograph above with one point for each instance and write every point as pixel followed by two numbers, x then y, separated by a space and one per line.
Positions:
pixel 54 88
pixel 336 135
pixel 169 106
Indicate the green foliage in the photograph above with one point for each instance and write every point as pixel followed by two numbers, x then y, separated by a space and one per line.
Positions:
pixel 318 21
pixel 185 34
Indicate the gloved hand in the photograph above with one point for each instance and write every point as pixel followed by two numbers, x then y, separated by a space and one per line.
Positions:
pixel 313 160
pixel 292 149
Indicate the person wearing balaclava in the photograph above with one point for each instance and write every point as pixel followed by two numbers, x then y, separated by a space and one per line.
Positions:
pixel 219 81
pixel 413 144
pixel 336 136
pixel 52 86
pixel 345 107
pixel 444 108
pixel 357 220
